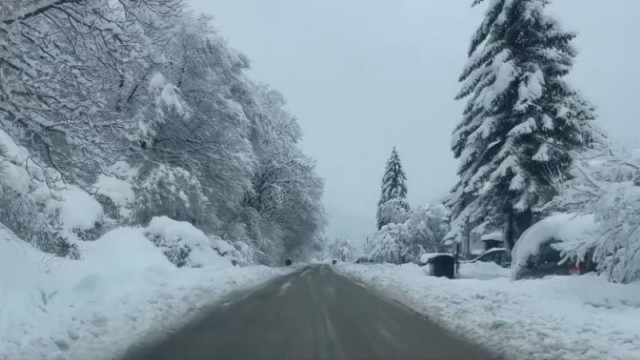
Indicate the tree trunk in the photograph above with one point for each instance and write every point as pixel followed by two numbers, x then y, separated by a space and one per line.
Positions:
pixel 515 225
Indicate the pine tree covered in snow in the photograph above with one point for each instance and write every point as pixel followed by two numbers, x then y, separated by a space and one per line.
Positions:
pixel 393 188
pixel 521 119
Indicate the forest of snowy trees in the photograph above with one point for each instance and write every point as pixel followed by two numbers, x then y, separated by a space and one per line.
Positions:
pixel 144 177
pixel 147 95
pixel 139 110
pixel 527 148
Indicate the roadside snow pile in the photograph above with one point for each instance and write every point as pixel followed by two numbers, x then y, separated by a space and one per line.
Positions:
pixel 121 291
pixel 184 244
pixel 563 317
pixel 482 271
pixel 561 228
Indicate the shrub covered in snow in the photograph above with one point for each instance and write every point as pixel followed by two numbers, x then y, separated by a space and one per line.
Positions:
pixel 416 231
pixel 115 192
pixel 389 244
pixel 186 245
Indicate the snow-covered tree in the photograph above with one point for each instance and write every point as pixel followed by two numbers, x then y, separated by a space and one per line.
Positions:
pixel 606 184
pixel 421 230
pixel 521 120
pixel 394 211
pixel 286 192
pixel 341 249
pixel 65 65
pixel 426 227
pixel 390 244
pixel 89 84
pixel 393 187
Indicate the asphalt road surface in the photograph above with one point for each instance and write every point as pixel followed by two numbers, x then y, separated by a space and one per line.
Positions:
pixel 312 314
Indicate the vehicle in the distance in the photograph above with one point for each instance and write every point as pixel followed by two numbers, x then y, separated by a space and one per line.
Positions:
pixel 364 260
pixel 499 256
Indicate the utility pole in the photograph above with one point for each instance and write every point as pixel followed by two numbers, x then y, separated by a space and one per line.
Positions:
pixel 399 246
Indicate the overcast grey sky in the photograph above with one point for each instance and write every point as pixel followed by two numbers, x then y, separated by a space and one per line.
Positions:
pixel 363 76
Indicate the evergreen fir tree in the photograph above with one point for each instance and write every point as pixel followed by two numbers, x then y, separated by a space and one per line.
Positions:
pixel 394 187
pixel 521 121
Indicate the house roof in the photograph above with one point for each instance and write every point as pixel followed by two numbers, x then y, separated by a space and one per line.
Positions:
pixel 496 235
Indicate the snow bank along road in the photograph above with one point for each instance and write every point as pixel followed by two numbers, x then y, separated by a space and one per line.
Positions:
pixel 312 314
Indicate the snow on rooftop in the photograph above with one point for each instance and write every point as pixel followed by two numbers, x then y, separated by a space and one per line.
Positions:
pixel 424 258
pixel 496 235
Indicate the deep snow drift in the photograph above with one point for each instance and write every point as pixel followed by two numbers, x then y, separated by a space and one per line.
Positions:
pixel 122 290
pixel 561 318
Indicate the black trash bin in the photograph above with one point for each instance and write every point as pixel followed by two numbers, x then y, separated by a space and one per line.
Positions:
pixel 442 265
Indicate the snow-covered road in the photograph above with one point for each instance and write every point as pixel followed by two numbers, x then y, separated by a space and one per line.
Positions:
pixel 557 318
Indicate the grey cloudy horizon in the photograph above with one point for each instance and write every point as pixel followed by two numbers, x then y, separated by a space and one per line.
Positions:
pixel 363 76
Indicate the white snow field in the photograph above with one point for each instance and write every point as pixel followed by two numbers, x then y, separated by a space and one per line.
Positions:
pixel 555 318
pixel 122 291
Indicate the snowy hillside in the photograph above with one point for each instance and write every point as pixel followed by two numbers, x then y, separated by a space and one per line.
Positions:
pixel 80 282
pixel 122 291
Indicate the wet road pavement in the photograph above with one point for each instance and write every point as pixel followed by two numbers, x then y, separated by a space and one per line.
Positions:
pixel 312 314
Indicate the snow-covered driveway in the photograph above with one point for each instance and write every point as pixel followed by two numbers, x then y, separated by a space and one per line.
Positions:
pixel 557 318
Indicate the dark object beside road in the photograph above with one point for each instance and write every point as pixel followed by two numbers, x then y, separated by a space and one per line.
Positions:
pixel 364 260
pixel 334 262
pixel 442 265
pixel 549 261
pixel 288 262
